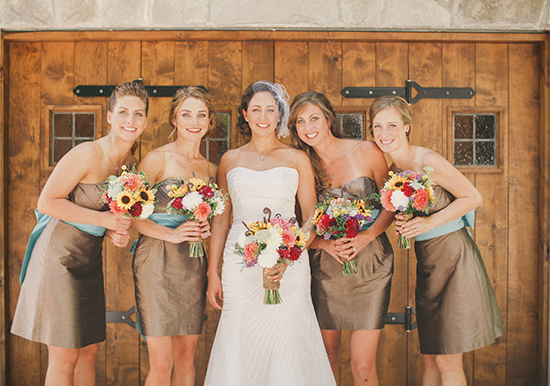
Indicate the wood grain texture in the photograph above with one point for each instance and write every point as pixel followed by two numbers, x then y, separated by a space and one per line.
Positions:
pixel 122 345
pixel 24 105
pixel 325 69
pixel 358 70
pixel 291 66
pixel 523 237
pixel 491 231
pixel 257 60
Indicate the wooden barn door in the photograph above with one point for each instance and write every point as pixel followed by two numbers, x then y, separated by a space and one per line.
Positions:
pixel 42 69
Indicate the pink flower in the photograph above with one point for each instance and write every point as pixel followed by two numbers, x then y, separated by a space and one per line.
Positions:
pixel 282 222
pixel 420 199
pixel 289 238
pixel 115 209
pixel 251 252
pixel 131 182
pixel 202 211
pixel 206 191
pixel 385 199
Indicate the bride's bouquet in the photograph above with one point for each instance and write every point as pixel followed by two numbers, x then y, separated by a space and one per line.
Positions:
pixel 196 200
pixel 407 192
pixel 340 217
pixel 129 194
pixel 270 242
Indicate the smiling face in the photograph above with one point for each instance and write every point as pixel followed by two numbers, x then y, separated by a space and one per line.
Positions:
pixel 191 119
pixel 128 118
pixel 389 130
pixel 262 114
pixel 311 125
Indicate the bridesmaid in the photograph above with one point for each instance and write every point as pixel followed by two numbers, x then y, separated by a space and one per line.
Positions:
pixel 62 301
pixel 170 285
pixel 456 308
pixel 360 303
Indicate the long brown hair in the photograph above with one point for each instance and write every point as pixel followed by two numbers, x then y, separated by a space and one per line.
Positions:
pixel 321 101
pixel 193 92
pixel 129 89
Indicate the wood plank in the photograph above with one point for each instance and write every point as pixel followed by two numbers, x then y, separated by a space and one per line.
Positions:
pixel 523 236
pixel 257 58
pixel 293 74
pixel 458 70
pixel 224 75
pixel 23 181
pixel 325 69
pixel 122 345
pixel 358 70
pixel 191 68
pixel 90 67
pixel 370 36
pixel 545 208
pixel 392 69
pixel 4 321
pixel 491 231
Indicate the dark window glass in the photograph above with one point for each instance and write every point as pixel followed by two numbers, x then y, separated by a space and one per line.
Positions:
pixel 464 153
pixel 352 124
pixel 464 126
pixel 70 129
pixel 475 139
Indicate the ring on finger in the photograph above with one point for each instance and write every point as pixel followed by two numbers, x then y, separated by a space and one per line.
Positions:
pixel 354 250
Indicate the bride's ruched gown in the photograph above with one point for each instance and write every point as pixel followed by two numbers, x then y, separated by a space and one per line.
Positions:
pixel 258 344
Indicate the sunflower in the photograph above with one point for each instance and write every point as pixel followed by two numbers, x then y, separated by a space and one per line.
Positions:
pixel 195 183
pixel 396 182
pixel 146 196
pixel 301 238
pixel 125 200
pixel 317 216
pixel 361 208
pixel 178 192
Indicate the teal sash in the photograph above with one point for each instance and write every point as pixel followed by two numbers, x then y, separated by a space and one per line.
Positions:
pixel 466 220
pixel 168 220
pixel 374 215
pixel 39 228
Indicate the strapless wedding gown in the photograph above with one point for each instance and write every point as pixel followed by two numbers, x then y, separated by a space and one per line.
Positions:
pixel 258 344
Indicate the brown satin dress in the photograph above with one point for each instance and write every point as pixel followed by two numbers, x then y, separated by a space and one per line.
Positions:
pixel 456 307
pixel 62 300
pixel 170 286
pixel 358 302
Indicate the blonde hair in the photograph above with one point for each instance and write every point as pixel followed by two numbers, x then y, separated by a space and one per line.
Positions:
pixel 388 101
pixel 193 92
pixel 321 101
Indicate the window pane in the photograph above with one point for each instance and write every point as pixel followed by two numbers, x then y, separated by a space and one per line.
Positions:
pixel 60 148
pixel 485 153
pixel 224 123
pixel 84 125
pixel 463 153
pixel 351 124
pixel 463 126
pixel 485 126
pixel 62 125
pixel 215 150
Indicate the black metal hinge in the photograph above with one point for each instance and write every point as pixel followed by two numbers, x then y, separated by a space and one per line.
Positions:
pixel 121 317
pixel 403 318
pixel 106 90
pixel 407 92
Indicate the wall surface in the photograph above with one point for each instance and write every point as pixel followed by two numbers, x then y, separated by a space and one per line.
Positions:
pixel 463 15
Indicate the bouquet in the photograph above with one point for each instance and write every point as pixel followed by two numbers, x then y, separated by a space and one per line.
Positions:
pixel 129 194
pixel 408 192
pixel 196 200
pixel 270 242
pixel 341 217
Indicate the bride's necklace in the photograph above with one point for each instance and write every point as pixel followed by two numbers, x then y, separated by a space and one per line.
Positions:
pixel 262 155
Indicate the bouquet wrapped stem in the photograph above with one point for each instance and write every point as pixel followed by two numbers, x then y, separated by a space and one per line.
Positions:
pixel 271 287
pixel 196 249
pixel 404 242
pixel 349 268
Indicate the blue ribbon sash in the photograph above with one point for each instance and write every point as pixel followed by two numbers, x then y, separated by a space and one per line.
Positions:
pixel 467 220
pixel 374 215
pixel 43 220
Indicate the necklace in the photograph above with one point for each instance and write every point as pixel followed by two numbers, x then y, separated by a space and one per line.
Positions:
pixel 329 170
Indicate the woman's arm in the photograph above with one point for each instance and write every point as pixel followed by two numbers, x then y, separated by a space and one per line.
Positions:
pixel 467 197
pixel 220 229
pixel 307 198
pixel 70 170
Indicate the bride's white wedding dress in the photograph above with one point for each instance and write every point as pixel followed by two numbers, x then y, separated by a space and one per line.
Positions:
pixel 258 344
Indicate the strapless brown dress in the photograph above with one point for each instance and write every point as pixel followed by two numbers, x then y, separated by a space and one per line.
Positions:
pixel 456 307
pixel 170 286
pixel 62 300
pixel 357 302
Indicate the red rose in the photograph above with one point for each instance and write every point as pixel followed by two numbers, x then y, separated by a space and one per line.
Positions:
pixel 284 253
pixel 295 253
pixel 177 204
pixel 352 228
pixel 408 190
pixel 206 191
pixel 135 210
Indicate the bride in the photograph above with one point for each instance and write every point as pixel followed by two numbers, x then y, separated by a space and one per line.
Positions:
pixel 258 344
